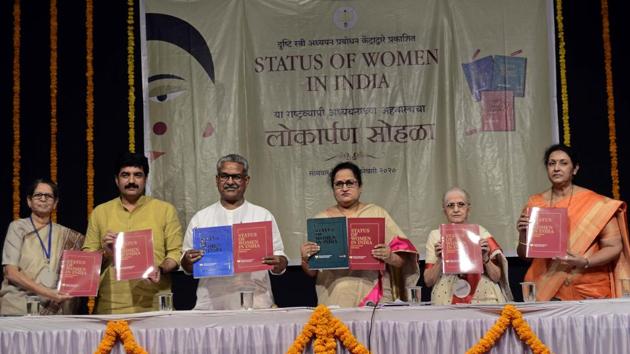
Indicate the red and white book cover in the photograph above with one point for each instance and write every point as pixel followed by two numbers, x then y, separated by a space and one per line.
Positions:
pixel 461 252
pixel 133 254
pixel 547 232
pixel 363 235
pixel 252 242
pixel 80 273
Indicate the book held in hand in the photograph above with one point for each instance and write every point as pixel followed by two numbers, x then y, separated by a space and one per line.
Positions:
pixel 217 247
pixel 133 254
pixel 461 252
pixel 331 236
pixel 80 273
pixel 547 232
pixel 363 235
pixel 253 242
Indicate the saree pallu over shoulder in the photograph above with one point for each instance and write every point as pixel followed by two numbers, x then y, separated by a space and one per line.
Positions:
pixel 68 240
pixel 501 289
pixel 391 283
pixel 72 240
pixel 588 214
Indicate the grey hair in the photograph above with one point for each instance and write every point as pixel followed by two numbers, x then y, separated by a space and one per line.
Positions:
pixel 234 158
pixel 456 189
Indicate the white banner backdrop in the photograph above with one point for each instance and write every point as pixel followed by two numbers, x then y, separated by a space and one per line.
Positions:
pixel 423 95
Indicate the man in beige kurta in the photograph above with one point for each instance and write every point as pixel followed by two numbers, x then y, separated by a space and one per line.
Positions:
pixel 130 211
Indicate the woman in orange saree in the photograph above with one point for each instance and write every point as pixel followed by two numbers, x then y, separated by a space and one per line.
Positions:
pixel 598 251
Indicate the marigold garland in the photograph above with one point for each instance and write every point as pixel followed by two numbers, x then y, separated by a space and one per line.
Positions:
pixel 91 304
pixel 131 75
pixel 89 100
pixel 53 94
pixel 16 107
pixel 509 316
pixel 564 95
pixel 610 101
pixel 119 330
pixel 89 75
pixel 325 327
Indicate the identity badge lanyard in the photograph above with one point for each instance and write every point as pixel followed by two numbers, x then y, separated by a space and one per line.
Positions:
pixel 41 242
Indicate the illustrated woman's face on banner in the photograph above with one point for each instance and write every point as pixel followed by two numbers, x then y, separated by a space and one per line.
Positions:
pixel 182 102
pixel 183 113
pixel 182 96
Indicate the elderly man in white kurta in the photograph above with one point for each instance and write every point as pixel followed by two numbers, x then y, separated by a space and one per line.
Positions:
pixel 232 208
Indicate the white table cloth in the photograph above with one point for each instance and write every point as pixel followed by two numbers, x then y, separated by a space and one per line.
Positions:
pixel 594 326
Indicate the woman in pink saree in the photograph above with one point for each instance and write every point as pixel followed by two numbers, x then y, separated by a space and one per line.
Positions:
pixel 351 288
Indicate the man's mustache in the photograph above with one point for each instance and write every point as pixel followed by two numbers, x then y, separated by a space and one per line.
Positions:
pixel 230 186
pixel 132 185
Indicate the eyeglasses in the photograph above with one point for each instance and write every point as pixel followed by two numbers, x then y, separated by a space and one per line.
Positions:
pixel 224 177
pixel 351 183
pixel 43 196
pixel 460 205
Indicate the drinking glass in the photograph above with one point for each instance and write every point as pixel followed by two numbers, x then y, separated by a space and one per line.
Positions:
pixel 247 299
pixel 165 301
pixel 625 287
pixel 32 306
pixel 414 294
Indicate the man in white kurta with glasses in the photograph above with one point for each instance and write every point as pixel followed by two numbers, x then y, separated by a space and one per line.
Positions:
pixel 223 293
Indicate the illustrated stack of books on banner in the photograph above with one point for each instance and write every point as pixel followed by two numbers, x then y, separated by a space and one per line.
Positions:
pixel 547 233
pixel 495 80
pixel 461 252
pixel 346 243
pixel 230 249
